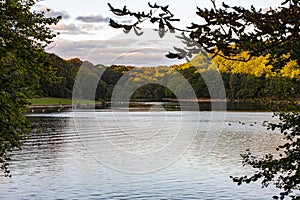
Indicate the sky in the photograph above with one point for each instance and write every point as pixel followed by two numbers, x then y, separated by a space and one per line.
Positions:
pixel 85 33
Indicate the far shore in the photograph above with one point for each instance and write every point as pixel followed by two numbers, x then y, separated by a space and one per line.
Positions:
pixel 49 104
pixel 207 100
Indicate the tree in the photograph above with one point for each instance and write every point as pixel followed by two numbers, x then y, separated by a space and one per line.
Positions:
pixel 66 70
pixel 227 32
pixel 23 36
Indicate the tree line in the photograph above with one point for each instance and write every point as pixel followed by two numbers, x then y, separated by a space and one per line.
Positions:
pixel 242 80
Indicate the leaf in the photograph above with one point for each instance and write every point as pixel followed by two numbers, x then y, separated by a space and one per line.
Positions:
pixel 174 20
pixel 193 26
pixel 225 5
pixel 285 2
pixel 124 9
pixel 161 24
pixel 127 27
pixel 182 51
pixel 171 28
pixel 110 6
pixel 137 33
pixel 162 14
pixel 153 6
pixel 230 32
pixel 126 31
pixel 165 8
pixel 154 19
pixel 118 12
pixel 161 32
pixel 161 29
pixel 172 55
pixel 113 24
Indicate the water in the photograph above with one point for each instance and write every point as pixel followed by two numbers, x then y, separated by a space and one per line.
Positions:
pixel 203 106
pixel 63 163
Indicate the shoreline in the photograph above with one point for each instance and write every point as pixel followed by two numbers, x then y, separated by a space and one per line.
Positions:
pixel 66 107
pixel 63 107
pixel 207 100
pixel 48 108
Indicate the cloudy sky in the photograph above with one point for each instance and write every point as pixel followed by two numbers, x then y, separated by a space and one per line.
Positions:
pixel 84 30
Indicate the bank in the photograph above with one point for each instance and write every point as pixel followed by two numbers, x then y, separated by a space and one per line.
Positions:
pixel 51 104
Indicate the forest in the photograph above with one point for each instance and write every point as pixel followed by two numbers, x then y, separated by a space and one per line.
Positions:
pixel 243 81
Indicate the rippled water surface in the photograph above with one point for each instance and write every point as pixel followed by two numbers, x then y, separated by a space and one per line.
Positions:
pixel 77 156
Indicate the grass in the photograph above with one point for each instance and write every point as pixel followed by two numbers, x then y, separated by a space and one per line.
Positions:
pixel 57 101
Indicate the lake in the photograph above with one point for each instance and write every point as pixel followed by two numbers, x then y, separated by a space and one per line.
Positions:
pixel 139 155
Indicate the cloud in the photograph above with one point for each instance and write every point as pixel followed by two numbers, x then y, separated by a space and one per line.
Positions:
pixel 90 27
pixel 63 14
pixel 52 13
pixel 117 51
pixel 93 19
pixel 128 21
pixel 124 49
pixel 70 29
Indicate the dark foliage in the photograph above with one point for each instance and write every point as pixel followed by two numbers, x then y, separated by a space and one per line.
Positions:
pixel 23 63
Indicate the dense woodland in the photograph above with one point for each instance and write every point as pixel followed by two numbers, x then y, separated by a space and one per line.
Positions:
pixel 242 80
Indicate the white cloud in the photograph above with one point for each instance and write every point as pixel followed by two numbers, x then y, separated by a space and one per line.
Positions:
pixel 117 51
pixel 93 18
pixel 69 29
pixel 90 27
pixel 52 13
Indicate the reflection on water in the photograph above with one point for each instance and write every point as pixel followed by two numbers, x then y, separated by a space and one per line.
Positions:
pixel 56 164
pixel 203 106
